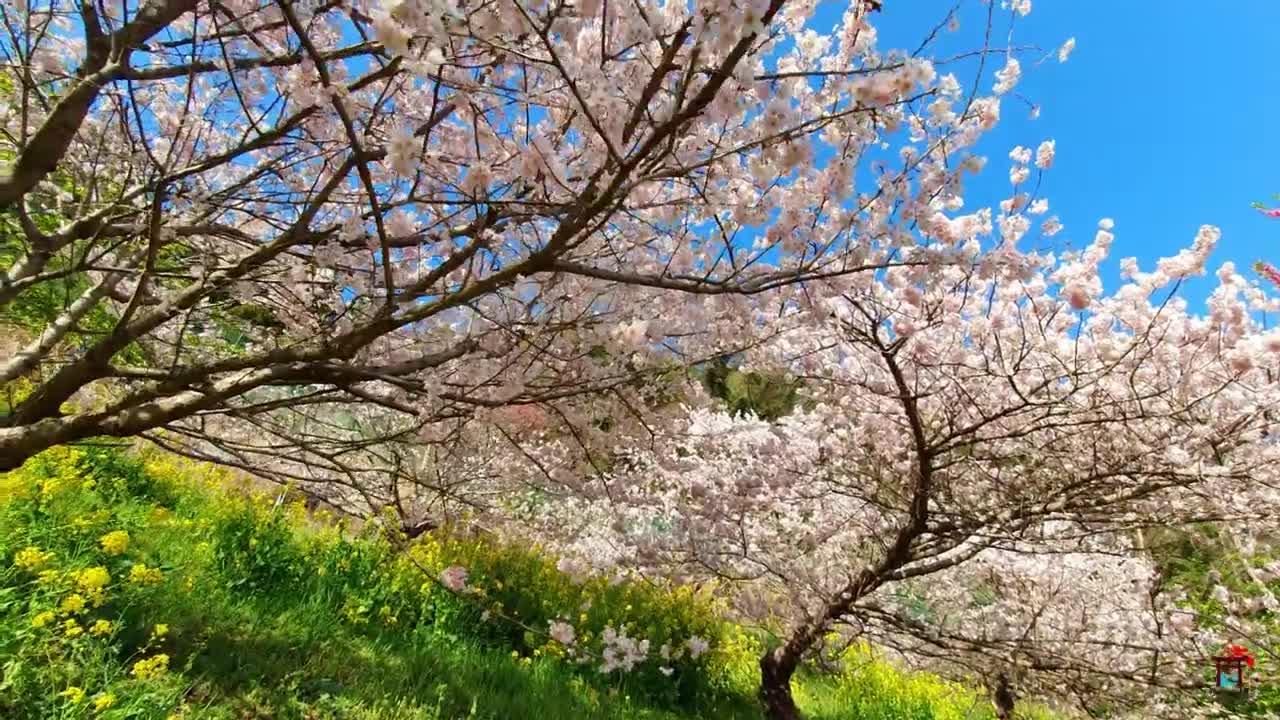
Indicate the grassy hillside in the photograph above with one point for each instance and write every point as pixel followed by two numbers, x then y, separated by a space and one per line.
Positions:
pixel 156 589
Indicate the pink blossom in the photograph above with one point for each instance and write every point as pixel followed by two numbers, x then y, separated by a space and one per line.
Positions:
pixel 454 577
pixel 562 632
pixel 1044 155
pixel 697 646
pixel 1008 77
pixel 1077 297
pixel 1064 52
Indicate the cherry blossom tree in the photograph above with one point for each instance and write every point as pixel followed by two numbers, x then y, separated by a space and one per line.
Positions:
pixel 228 213
pixel 991 434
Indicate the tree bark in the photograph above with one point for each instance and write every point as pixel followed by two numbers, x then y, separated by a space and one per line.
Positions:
pixel 1003 698
pixel 776 668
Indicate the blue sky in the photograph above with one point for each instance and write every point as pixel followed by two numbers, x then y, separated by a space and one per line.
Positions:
pixel 1166 118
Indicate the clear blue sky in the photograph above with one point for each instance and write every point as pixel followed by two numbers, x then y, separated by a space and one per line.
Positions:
pixel 1166 117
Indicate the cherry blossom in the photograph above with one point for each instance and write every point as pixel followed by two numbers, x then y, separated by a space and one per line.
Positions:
pixel 1064 52
pixel 454 577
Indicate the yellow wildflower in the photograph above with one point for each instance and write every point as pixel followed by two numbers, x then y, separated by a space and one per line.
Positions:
pixel 72 629
pixel 88 520
pixel 102 628
pixel 89 484
pixel 42 619
pixel 103 701
pixel 47 577
pixel 75 695
pixel 140 574
pixel 154 666
pixel 31 558
pixel 114 542
pixel 73 603
pixel 50 487
pixel 160 630
pixel 92 582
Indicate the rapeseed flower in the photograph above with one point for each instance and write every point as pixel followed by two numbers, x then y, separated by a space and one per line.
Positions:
pixel 73 603
pixel 140 574
pixel 31 558
pixel 93 582
pixel 114 542
pixel 152 667
pixel 73 694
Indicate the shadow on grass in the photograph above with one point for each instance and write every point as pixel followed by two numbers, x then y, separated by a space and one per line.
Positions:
pixel 289 669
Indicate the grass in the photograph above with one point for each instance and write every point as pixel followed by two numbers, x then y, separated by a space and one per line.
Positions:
pixel 223 604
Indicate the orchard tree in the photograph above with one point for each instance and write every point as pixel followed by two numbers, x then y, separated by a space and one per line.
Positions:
pixel 219 215
pixel 988 430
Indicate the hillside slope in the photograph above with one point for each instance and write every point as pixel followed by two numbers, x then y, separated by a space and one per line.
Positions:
pixel 155 589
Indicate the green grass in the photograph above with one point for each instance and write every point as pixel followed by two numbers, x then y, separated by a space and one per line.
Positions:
pixel 270 614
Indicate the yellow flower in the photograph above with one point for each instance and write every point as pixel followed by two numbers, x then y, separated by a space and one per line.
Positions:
pixel 114 542
pixel 72 629
pixel 154 666
pixel 140 574
pixel 92 581
pixel 160 630
pixel 73 603
pixel 73 694
pixel 42 619
pixel 50 487
pixel 102 628
pixel 103 701
pixel 89 484
pixel 31 558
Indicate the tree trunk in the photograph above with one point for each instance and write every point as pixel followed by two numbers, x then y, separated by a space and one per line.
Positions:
pixel 776 669
pixel 1003 698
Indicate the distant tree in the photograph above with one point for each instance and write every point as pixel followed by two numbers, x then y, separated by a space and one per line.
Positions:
pixel 766 395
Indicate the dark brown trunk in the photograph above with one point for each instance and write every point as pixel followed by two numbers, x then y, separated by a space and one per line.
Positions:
pixel 1003 698
pixel 776 669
